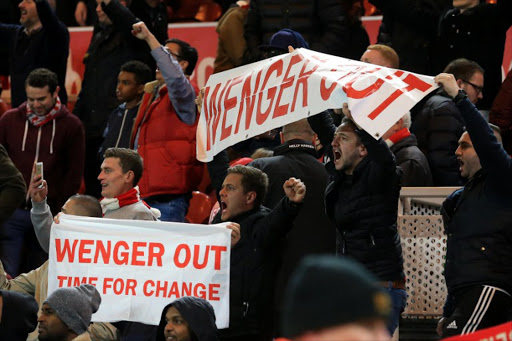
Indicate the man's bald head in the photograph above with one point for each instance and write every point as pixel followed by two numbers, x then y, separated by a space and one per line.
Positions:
pixel 298 130
pixel 83 205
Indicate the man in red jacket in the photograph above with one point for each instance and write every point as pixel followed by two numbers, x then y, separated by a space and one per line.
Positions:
pixel 40 130
pixel 164 132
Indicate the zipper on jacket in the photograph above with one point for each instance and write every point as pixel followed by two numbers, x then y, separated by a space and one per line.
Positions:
pixel 372 239
pixel 246 309
pixel 343 243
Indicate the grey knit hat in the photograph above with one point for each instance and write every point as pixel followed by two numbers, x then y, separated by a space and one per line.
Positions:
pixel 75 305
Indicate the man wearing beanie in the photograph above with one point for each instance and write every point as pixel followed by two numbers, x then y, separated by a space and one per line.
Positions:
pixel 187 319
pixel 18 315
pixel 67 312
pixel 335 299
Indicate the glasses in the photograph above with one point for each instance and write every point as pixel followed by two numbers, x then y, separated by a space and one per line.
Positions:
pixel 177 56
pixel 479 89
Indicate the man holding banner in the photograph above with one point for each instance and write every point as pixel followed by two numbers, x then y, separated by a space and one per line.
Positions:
pixel 361 201
pixel 477 220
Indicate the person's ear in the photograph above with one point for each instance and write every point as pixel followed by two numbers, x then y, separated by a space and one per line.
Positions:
pixel 184 65
pixel 140 89
pixel 56 92
pixel 250 197
pixel 363 151
pixel 129 176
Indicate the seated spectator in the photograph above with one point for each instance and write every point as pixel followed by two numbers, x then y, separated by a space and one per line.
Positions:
pixel 66 313
pixel 438 125
pixel 187 319
pixel 416 171
pixel 332 298
pixel 18 315
pixel 130 88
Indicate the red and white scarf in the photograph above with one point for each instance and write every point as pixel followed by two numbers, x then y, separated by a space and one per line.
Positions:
pixel 398 136
pixel 125 199
pixel 37 120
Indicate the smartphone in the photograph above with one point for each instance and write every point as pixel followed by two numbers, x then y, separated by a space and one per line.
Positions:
pixel 39 171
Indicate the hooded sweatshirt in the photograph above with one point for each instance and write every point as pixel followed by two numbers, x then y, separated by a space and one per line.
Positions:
pixel 199 315
pixel 19 316
pixel 59 144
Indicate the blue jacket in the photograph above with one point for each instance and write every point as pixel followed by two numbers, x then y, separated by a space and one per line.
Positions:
pixel 119 128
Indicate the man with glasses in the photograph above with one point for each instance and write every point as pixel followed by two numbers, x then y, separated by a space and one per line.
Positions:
pixel 164 132
pixel 438 124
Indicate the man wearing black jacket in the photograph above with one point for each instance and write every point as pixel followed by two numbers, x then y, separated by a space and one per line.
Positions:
pixel 477 221
pixel 253 258
pixel 362 202
pixel 312 231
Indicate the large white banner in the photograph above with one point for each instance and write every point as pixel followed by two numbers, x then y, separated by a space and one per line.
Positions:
pixel 252 99
pixel 141 266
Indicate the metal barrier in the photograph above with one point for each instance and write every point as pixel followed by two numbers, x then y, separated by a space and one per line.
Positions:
pixel 424 247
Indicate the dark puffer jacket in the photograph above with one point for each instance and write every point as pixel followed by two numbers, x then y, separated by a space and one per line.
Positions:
pixel 364 205
pixel 199 315
pixel 478 217
pixel 438 125
pixel 413 162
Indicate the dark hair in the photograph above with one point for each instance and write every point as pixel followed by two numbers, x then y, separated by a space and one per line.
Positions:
pixel 253 180
pixel 39 78
pixel 142 72
pixel 129 160
pixel 463 68
pixel 86 206
pixel 347 122
pixel 187 53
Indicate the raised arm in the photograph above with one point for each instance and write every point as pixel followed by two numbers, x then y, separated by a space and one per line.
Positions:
pixel 493 158
pixel 180 90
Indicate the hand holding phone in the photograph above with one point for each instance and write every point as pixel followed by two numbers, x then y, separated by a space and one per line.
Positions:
pixel 39 171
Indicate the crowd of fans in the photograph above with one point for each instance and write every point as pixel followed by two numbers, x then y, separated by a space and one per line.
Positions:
pixel 318 186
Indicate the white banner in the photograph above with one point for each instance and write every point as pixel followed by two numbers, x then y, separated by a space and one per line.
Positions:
pixel 141 266
pixel 252 99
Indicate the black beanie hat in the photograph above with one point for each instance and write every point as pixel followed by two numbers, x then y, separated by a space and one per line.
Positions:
pixel 330 291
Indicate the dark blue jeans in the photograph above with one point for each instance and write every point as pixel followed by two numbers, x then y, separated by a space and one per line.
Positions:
pixel 19 249
pixel 174 210
pixel 398 302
